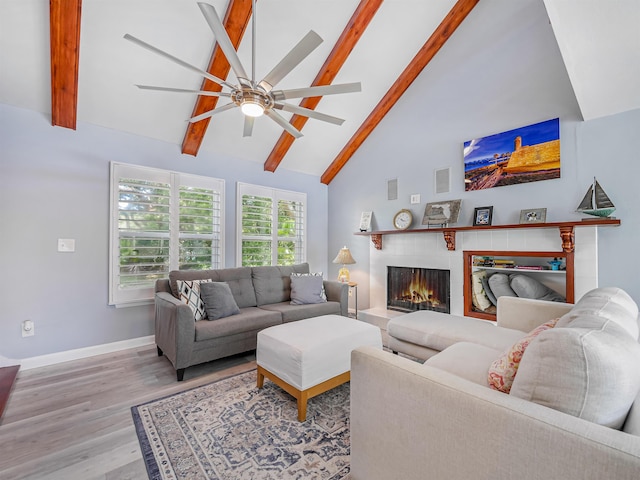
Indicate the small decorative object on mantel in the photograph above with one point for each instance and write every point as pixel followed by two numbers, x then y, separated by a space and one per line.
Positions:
pixel 403 219
pixel 596 202
pixel 533 215
pixel 441 213
pixel 482 216
pixel 365 221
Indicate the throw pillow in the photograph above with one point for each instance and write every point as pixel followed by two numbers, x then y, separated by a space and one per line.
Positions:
pixel 306 289
pixel 529 287
pixel 478 295
pixel 314 274
pixel 218 300
pixel 487 290
pixel 499 283
pixel 503 370
pixel 189 293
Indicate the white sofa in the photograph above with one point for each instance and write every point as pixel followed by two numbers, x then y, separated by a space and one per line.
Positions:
pixel 573 411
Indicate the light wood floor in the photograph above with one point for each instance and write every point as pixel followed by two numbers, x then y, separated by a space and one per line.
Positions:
pixel 73 420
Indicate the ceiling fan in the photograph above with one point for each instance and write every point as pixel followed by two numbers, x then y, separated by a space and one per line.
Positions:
pixel 255 98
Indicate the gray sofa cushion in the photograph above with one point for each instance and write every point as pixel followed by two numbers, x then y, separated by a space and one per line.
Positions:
pixel 218 300
pixel 273 284
pixel 589 365
pixel 292 313
pixel 239 279
pixel 251 319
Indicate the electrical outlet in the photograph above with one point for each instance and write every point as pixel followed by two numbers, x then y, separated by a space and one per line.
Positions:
pixel 28 328
pixel 350 293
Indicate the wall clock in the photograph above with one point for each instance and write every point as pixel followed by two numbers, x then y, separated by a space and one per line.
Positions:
pixel 402 220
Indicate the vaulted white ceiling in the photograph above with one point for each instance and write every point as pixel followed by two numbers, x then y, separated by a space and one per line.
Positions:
pixel 599 42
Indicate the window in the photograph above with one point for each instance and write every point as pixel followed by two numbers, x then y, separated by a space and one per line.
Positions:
pixel 271 226
pixel 161 221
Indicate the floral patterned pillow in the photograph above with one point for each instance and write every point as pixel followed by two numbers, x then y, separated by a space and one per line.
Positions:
pixel 503 370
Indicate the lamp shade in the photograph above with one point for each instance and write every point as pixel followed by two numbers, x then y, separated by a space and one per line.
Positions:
pixel 344 257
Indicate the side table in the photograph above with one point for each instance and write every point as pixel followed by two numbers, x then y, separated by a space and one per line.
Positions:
pixel 354 286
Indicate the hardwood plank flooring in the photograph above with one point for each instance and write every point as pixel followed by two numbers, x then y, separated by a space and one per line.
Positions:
pixel 73 420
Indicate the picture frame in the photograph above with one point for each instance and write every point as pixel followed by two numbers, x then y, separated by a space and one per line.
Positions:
pixel 533 215
pixel 441 213
pixel 482 216
pixel 365 221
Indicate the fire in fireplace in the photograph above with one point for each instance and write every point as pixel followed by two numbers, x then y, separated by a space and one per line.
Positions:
pixel 410 289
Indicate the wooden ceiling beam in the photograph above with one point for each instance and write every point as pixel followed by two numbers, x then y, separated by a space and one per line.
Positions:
pixel 64 30
pixel 235 23
pixel 449 24
pixel 339 54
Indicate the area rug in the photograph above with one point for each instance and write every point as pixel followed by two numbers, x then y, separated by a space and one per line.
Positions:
pixel 231 430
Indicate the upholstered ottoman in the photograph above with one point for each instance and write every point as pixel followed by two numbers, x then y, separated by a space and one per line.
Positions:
pixel 309 357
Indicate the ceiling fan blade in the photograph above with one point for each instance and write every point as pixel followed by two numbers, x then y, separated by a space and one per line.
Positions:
pixel 182 90
pixel 248 126
pixel 307 112
pixel 276 117
pixel 308 44
pixel 182 63
pixel 210 113
pixel 316 91
pixel 222 37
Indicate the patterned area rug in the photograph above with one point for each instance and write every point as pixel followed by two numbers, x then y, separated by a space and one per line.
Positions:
pixel 231 430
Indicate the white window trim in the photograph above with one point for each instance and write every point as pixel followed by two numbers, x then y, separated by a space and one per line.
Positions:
pixel 276 195
pixel 122 298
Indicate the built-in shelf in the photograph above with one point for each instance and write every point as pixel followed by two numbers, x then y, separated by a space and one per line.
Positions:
pixel 563 278
pixel 566 231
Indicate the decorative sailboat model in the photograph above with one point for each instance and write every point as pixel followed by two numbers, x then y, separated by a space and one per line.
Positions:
pixel 596 202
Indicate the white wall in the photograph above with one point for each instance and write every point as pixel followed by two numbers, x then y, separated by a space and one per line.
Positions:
pixel 500 70
pixel 54 183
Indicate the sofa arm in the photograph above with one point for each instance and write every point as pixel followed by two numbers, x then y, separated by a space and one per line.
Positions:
pixel 338 292
pixel 412 421
pixel 174 329
pixel 525 314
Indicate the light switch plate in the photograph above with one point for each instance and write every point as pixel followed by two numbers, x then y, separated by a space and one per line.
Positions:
pixel 415 198
pixel 66 245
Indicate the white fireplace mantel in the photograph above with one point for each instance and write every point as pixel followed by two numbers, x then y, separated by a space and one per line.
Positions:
pixel 428 249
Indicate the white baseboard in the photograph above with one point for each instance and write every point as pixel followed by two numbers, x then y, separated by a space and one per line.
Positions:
pixel 60 357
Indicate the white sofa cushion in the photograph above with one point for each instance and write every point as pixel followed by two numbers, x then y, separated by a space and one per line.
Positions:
pixel 611 303
pixel 589 364
pixel 466 360
pixel 438 331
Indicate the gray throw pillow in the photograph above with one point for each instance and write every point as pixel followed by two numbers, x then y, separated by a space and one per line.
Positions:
pixel 499 283
pixel 487 290
pixel 528 287
pixel 218 300
pixel 306 289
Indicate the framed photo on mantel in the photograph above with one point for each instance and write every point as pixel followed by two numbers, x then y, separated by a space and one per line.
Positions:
pixel 482 216
pixel 365 221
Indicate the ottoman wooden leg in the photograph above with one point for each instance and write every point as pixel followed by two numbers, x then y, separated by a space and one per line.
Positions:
pixel 302 406
pixel 260 379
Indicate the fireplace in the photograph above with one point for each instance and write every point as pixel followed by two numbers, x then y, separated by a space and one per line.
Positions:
pixel 410 289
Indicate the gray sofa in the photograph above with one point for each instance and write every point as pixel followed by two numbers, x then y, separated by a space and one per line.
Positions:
pixel 263 297
pixel 573 411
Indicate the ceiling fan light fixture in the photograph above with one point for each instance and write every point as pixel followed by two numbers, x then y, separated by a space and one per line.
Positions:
pixel 252 108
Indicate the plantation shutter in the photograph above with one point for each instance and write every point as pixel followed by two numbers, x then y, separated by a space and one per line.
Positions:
pixel 161 221
pixel 271 226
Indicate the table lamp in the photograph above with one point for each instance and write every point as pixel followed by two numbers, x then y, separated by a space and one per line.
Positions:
pixel 344 258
